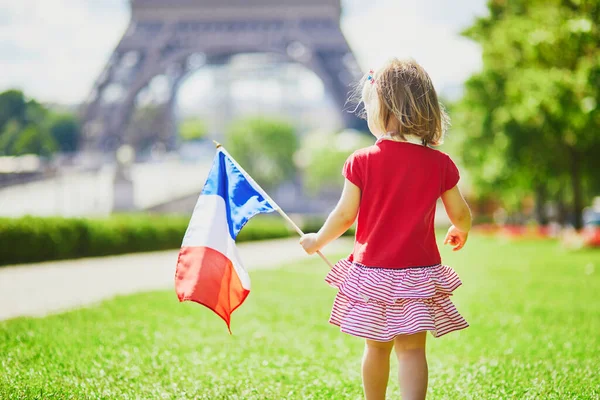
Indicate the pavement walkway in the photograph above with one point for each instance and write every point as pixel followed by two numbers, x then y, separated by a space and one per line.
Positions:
pixel 45 288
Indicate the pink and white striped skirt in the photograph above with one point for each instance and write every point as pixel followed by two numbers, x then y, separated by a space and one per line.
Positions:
pixel 380 303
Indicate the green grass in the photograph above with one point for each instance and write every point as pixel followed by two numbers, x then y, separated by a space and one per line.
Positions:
pixel 533 307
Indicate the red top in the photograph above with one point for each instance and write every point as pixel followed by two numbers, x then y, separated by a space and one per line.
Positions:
pixel 400 184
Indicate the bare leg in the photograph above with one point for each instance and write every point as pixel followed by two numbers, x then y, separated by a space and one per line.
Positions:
pixel 412 371
pixel 376 368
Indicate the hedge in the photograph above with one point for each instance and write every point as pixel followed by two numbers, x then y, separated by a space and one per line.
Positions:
pixel 34 239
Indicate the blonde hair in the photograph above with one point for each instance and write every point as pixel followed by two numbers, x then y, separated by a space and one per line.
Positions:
pixel 401 96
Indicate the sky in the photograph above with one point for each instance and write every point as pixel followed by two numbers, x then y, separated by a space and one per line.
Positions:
pixel 55 49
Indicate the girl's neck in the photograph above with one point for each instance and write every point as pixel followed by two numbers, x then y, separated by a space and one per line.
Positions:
pixel 393 136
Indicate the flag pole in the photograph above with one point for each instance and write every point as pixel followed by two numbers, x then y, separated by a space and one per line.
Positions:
pixel 266 196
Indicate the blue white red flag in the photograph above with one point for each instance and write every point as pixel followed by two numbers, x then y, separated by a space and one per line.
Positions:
pixel 209 269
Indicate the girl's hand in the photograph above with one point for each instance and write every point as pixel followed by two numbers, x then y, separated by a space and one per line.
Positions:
pixel 456 238
pixel 310 243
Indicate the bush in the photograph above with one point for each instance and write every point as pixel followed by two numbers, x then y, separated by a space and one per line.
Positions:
pixel 32 239
pixel 66 131
pixel 192 129
pixel 265 227
pixel 35 239
pixel 313 224
pixel 265 147
pixel 323 155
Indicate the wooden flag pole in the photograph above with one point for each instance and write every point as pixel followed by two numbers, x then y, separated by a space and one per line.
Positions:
pixel 288 219
pixel 266 196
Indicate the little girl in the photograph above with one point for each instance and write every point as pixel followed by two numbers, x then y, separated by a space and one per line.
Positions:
pixel 393 288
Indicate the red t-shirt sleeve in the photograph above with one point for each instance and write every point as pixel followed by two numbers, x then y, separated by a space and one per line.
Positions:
pixel 353 170
pixel 451 175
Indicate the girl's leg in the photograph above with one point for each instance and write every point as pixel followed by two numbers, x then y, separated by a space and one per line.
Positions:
pixel 412 371
pixel 376 368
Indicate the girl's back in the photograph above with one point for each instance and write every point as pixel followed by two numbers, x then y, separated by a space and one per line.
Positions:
pixel 400 183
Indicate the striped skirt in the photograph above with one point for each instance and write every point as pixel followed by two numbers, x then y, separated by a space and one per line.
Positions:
pixel 379 303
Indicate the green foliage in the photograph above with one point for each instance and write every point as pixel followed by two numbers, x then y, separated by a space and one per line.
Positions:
pixel 192 129
pixel 36 114
pixel 27 127
pixel 532 336
pixel 264 227
pixel 13 106
pixel 313 224
pixel 32 239
pixel 8 137
pixel 530 118
pixel 323 156
pixel 34 140
pixel 265 147
pixel 66 132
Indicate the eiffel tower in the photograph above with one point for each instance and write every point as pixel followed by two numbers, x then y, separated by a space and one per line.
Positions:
pixel 174 38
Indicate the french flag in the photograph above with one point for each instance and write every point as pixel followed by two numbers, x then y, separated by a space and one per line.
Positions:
pixel 209 269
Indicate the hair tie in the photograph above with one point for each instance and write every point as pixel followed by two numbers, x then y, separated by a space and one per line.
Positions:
pixel 370 77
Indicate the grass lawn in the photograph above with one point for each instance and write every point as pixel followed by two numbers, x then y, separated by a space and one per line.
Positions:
pixel 533 307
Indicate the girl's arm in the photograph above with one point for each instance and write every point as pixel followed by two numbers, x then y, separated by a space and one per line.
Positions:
pixel 460 215
pixel 338 222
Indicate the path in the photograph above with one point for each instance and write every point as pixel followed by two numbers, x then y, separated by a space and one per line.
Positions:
pixel 40 289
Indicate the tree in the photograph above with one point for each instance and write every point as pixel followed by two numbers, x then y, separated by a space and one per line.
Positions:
pixel 192 129
pixel 13 107
pixel 322 157
pixel 531 117
pixel 36 114
pixel 265 148
pixel 34 140
pixel 26 126
pixel 65 130
pixel 9 136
